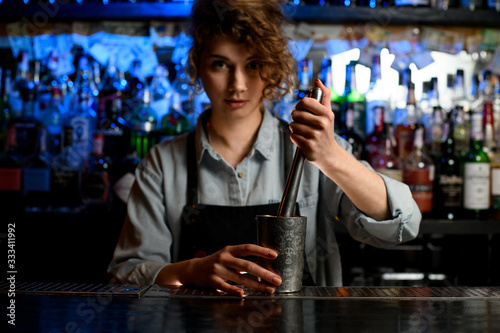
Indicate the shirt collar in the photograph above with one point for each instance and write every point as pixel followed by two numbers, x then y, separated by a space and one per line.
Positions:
pixel 264 145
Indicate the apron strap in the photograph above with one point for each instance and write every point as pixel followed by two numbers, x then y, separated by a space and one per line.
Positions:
pixel 192 165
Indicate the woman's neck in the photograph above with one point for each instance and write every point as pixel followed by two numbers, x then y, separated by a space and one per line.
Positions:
pixel 233 139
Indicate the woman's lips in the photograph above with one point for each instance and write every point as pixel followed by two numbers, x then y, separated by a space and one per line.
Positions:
pixel 235 103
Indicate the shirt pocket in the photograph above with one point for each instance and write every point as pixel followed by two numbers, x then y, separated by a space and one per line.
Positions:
pixel 308 205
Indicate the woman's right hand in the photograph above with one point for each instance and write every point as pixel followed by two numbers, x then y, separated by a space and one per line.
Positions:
pixel 225 265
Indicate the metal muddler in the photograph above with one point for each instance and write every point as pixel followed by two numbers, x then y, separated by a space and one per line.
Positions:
pixel 286 233
pixel 287 206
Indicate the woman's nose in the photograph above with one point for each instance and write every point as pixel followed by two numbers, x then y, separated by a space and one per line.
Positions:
pixel 238 81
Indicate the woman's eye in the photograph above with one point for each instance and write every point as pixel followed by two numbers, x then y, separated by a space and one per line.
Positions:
pixel 219 64
pixel 254 65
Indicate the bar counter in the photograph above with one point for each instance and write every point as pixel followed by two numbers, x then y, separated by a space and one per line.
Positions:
pixel 63 307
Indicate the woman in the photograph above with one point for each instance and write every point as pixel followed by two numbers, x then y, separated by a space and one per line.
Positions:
pixel 191 212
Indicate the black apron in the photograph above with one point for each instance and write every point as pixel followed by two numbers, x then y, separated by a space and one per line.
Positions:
pixel 207 229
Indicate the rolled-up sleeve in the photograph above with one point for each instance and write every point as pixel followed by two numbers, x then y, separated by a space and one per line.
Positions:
pixel 403 226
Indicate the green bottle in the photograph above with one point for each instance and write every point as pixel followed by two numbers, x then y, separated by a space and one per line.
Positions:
pixel 356 101
pixel 476 171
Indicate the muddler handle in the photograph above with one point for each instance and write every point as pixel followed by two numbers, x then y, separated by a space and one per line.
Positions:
pixel 287 206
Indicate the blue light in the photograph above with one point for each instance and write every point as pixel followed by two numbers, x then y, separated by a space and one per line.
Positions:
pixel 123 82
pixel 104 2
pixel 347 3
pixel 296 2
pixel 95 92
pixel 101 161
pixel 373 3
pixel 322 2
pixel 26 1
pixel 113 125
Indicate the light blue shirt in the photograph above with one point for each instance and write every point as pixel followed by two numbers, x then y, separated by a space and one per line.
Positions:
pixel 151 233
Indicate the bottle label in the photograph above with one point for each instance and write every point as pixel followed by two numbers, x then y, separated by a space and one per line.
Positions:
pixel 451 190
pixel 95 187
pixel 420 182
pixel 10 179
pixel 404 138
pixel 65 187
pixel 81 136
pixel 477 186
pixel 36 180
pixel 359 113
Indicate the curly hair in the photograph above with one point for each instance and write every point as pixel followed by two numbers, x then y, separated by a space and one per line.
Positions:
pixel 256 23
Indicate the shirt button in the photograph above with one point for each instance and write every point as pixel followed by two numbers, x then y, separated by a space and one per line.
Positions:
pixel 241 174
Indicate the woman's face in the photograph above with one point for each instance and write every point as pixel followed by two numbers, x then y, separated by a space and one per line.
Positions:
pixel 231 78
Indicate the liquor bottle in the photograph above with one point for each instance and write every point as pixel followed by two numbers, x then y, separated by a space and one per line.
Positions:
pixel 495 182
pixel 85 82
pixel 82 121
pixel 476 173
pixel 175 122
pixel 48 81
pixel 405 129
pixel 437 134
pixel 4 106
pixel 448 182
pixel 52 119
pixel 387 162
pixel 160 91
pixel 142 123
pixel 448 96
pixel 181 85
pixel 114 129
pixel 283 109
pixel 459 95
pixel 24 122
pixel 96 179
pixel 356 101
pixel 36 173
pixel 305 76
pixel 418 173
pixel 133 93
pixel 11 198
pixel 425 103
pixel 489 142
pixel 112 84
pixel 374 142
pixel 376 97
pixel 19 85
pixel 336 100
pixel 399 98
pixel 66 177
pixel 350 135
pixel 461 133
pixel 461 110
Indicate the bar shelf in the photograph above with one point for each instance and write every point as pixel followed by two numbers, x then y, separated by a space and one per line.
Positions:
pixel 38 12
